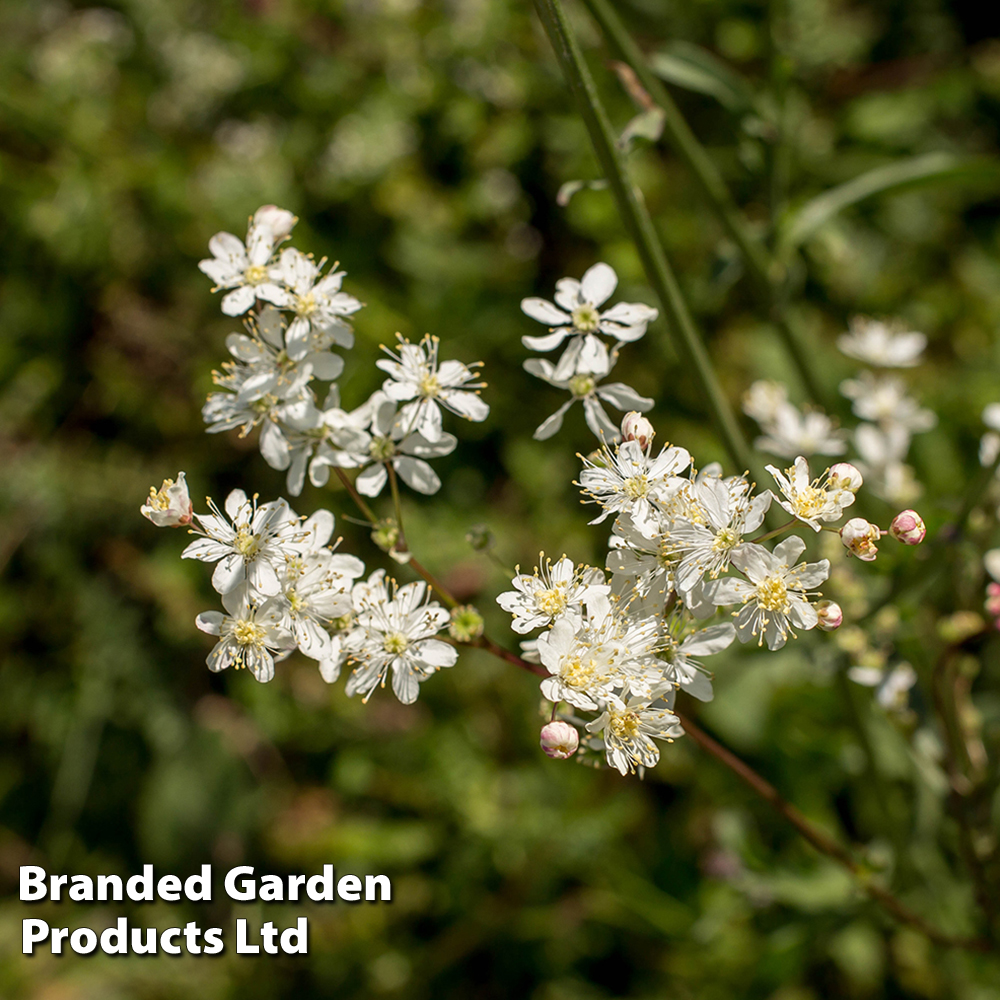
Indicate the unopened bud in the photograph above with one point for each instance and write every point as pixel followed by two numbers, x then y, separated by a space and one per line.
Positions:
pixel 466 623
pixel 559 740
pixel 279 220
pixel 908 527
pixel 830 615
pixel 844 476
pixel 860 537
pixel 992 604
pixel 170 506
pixel 635 427
pixel 385 534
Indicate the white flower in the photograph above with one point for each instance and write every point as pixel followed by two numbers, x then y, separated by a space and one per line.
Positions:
pixel 774 595
pixel 415 374
pixel 554 591
pixel 727 513
pixel 583 672
pixel 244 267
pixel 248 635
pixel 588 389
pixel 635 427
pixel 793 433
pixel 579 317
pixel 764 400
pixel 877 344
pixel 169 506
pixel 628 730
pixel 249 543
pixel 891 688
pixel 883 400
pixel 318 304
pixel 642 567
pixel 397 635
pixel 384 442
pixel 812 500
pixel 630 481
pixel 317 589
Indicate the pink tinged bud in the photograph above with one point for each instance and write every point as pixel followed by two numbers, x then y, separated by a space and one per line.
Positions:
pixel 860 536
pixel 635 427
pixel 993 600
pixel 170 506
pixel 830 615
pixel 908 527
pixel 278 220
pixel 559 740
pixel 844 476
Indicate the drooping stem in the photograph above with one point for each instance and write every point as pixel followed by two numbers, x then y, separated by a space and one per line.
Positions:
pixel 636 219
pixel 822 841
pixel 356 496
pixel 819 839
pixel 766 274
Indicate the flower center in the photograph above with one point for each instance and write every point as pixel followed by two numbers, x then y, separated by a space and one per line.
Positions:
pixel 158 499
pixel 382 448
pixel 581 385
pixel 725 540
pixel 623 725
pixel 635 487
pixel 772 594
pixel 246 543
pixel 429 386
pixel 295 603
pixel 551 602
pixel 586 318
pixel 395 642
pixel 809 501
pixel 255 274
pixel 579 674
pixel 305 305
pixel 247 633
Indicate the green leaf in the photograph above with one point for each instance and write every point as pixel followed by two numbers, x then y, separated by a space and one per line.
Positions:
pixel 931 168
pixel 694 68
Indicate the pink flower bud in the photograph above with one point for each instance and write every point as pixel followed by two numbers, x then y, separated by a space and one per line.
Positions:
pixel 830 615
pixel 635 427
pixel 908 527
pixel 860 537
pixel 993 600
pixel 170 506
pixel 559 740
pixel 844 476
pixel 279 220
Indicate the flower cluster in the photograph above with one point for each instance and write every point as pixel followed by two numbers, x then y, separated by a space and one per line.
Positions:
pixel 576 317
pixel 295 315
pixel 889 416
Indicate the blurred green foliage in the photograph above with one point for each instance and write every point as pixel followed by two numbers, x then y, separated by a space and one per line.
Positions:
pixel 423 146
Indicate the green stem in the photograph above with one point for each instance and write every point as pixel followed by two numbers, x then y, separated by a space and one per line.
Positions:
pixel 777 531
pixel 358 499
pixel 766 274
pixel 397 505
pixel 635 216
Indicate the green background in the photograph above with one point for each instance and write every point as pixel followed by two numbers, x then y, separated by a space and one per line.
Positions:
pixel 423 145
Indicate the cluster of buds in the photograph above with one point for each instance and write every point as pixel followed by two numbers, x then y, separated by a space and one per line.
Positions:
pixel 860 536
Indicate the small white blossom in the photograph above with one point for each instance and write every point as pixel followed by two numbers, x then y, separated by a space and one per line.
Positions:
pixel 415 374
pixel 553 591
pixel 878 344
pixel 587 388
pixel 628 730
pixel 774 595
pixel 395 630
pixel 170 505
pixel 249 543
pixel 813 501
pixel 792 433
pixel 683 669
pixel 577 315
pixel 892 687
pixel 859 537
pixel 883 400
pixel 249 635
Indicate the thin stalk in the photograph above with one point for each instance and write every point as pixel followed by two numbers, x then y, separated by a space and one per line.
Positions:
pixel 397 505
pixel 819 839
pixel 767 275
pixel 356 496
pixel 636 219
pixel 777 531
